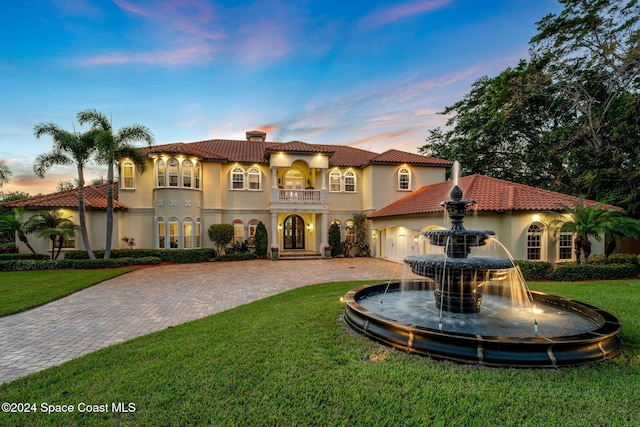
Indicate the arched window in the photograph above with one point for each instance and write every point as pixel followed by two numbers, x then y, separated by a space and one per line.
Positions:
pixel 172 166
pixel 350 232
pixel 534 243
pixel 254 176
pixel 251 229
pixel 238 231
pixel 187 170
pixel 196 175
pixel 187 233
pixel 350 181
pixel 237 178
pixel 128 171
pixel 198 233
pixel 404 179
pixel 160 243
pixel 160 173
pixel 174 233
pixel 335 178
pixel 293 180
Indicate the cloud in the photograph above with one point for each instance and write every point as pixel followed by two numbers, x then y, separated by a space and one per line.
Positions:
pixel 391 14
pixel 188 55
pixel 377 137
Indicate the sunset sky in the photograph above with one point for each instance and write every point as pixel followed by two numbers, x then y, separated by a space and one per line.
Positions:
pixel 370 74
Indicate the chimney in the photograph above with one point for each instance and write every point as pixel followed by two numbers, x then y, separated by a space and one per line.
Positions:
pixel 256 135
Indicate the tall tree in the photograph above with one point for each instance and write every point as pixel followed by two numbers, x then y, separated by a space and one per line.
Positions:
pixel 111 148
pixel 68 148
pixel 53 226
pixel 5 173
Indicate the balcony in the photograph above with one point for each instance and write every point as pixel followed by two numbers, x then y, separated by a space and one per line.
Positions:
pixel 299 197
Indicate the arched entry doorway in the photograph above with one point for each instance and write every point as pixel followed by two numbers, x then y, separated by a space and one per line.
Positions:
pixel 294 232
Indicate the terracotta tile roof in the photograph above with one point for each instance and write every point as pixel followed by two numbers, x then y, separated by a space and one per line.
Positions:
pixel 490 194
pixel 258 152
pixel 397 156
pixel 95 197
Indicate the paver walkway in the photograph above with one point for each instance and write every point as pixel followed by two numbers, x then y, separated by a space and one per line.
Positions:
pixel 151 299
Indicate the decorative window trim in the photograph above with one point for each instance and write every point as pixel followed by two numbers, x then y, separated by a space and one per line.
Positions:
pixel 404 179
pixel 534 242
pixel 349 187
pixel 188 173
pixel 237 180
pixel 335 181
pixel 128 173
pixel 174 238
pixel 253 184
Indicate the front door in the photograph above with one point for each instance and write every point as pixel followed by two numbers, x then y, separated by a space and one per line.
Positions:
pixel 294 232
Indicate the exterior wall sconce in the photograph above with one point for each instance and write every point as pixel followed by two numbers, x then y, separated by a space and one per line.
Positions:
pixel 374 234
pixel 279 226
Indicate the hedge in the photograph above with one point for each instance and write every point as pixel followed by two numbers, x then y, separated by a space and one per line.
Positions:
pixel 615 259
pixel 245 256
pixel 535 270
pixel 29 265
pixel 14 256
pixel 180 256
pixel 573 272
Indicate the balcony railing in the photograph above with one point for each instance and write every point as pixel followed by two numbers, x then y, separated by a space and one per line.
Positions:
pixel 300 196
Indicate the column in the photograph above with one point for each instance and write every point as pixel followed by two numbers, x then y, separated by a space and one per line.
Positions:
pixel 324 231
pixel 274 230
pixel 324 178
pixel 274 177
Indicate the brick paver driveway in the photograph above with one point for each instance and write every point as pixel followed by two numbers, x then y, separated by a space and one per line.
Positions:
pixel 155 298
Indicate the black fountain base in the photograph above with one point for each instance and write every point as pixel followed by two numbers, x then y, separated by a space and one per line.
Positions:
pixel 599 343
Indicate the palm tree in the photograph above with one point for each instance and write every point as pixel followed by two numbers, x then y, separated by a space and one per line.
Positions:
pixel 15 223
pixel 112 147
pixel 52 225
pixel 5 173
pixel 68 148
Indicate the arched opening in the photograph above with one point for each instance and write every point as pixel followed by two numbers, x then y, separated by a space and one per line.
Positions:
pixel 294 232
pixel 294 180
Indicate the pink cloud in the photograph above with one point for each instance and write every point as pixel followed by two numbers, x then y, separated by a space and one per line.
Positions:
pixel 379 136
pixel 187 55
pixel 392 14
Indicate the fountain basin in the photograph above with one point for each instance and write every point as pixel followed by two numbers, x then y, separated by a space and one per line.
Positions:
pixel 599 342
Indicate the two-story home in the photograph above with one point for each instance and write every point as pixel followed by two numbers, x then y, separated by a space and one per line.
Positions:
pixel 296 189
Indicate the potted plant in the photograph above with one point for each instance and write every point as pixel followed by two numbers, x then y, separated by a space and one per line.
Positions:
pixel 274 252
pixel 327 251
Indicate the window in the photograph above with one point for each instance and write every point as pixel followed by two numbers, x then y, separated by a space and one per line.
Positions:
pixel 187 233
pixel 174 237
pixel 187 170
pixel 251 228
pixel 349 234
pixel 127 174
pixel 350 181
pixel 237 178
pixel 160 173
pixel 69 240
pixel 238 231
pixel 335 178
pixel 293 180
pixel 198 232
pixel 254 176
pixel 161 234
pixel 534 243
pixel 404 179
pixel 196 175
pixel 565 246
pixel 173 172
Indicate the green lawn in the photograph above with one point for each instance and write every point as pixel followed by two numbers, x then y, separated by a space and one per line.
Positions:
pixel 22 290
pixel 287 360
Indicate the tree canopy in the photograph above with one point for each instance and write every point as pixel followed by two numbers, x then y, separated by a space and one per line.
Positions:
pixel 568 118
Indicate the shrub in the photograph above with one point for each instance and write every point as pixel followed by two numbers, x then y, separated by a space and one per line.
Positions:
pixel 238 248
pixel 81 264
pixel 261 240
pixel 237 257
pixel 615 259
pixel 334 240
pixel 221 235
pixel 568 273
pixel 535 270
pixel 181 256
pixel 9 249
pixel 12 256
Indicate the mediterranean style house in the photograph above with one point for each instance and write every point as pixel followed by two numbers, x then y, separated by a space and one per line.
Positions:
pixel 298 190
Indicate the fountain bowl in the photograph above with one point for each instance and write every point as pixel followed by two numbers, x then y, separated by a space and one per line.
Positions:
pixel 600 343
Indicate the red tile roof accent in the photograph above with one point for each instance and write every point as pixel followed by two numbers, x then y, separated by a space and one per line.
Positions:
pixel 397 156
pixel 258 152
pixel 95 197
pixel 490 194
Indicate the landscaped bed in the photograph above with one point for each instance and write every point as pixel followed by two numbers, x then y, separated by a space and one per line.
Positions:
pixel 288 360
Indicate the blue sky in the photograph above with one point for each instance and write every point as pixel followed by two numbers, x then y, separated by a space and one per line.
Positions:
pixel 371 74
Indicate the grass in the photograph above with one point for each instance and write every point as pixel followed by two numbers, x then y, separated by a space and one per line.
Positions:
pixel 23 290
pixel 287 360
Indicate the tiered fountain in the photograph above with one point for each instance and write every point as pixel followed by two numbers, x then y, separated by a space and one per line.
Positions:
pixel 477 309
